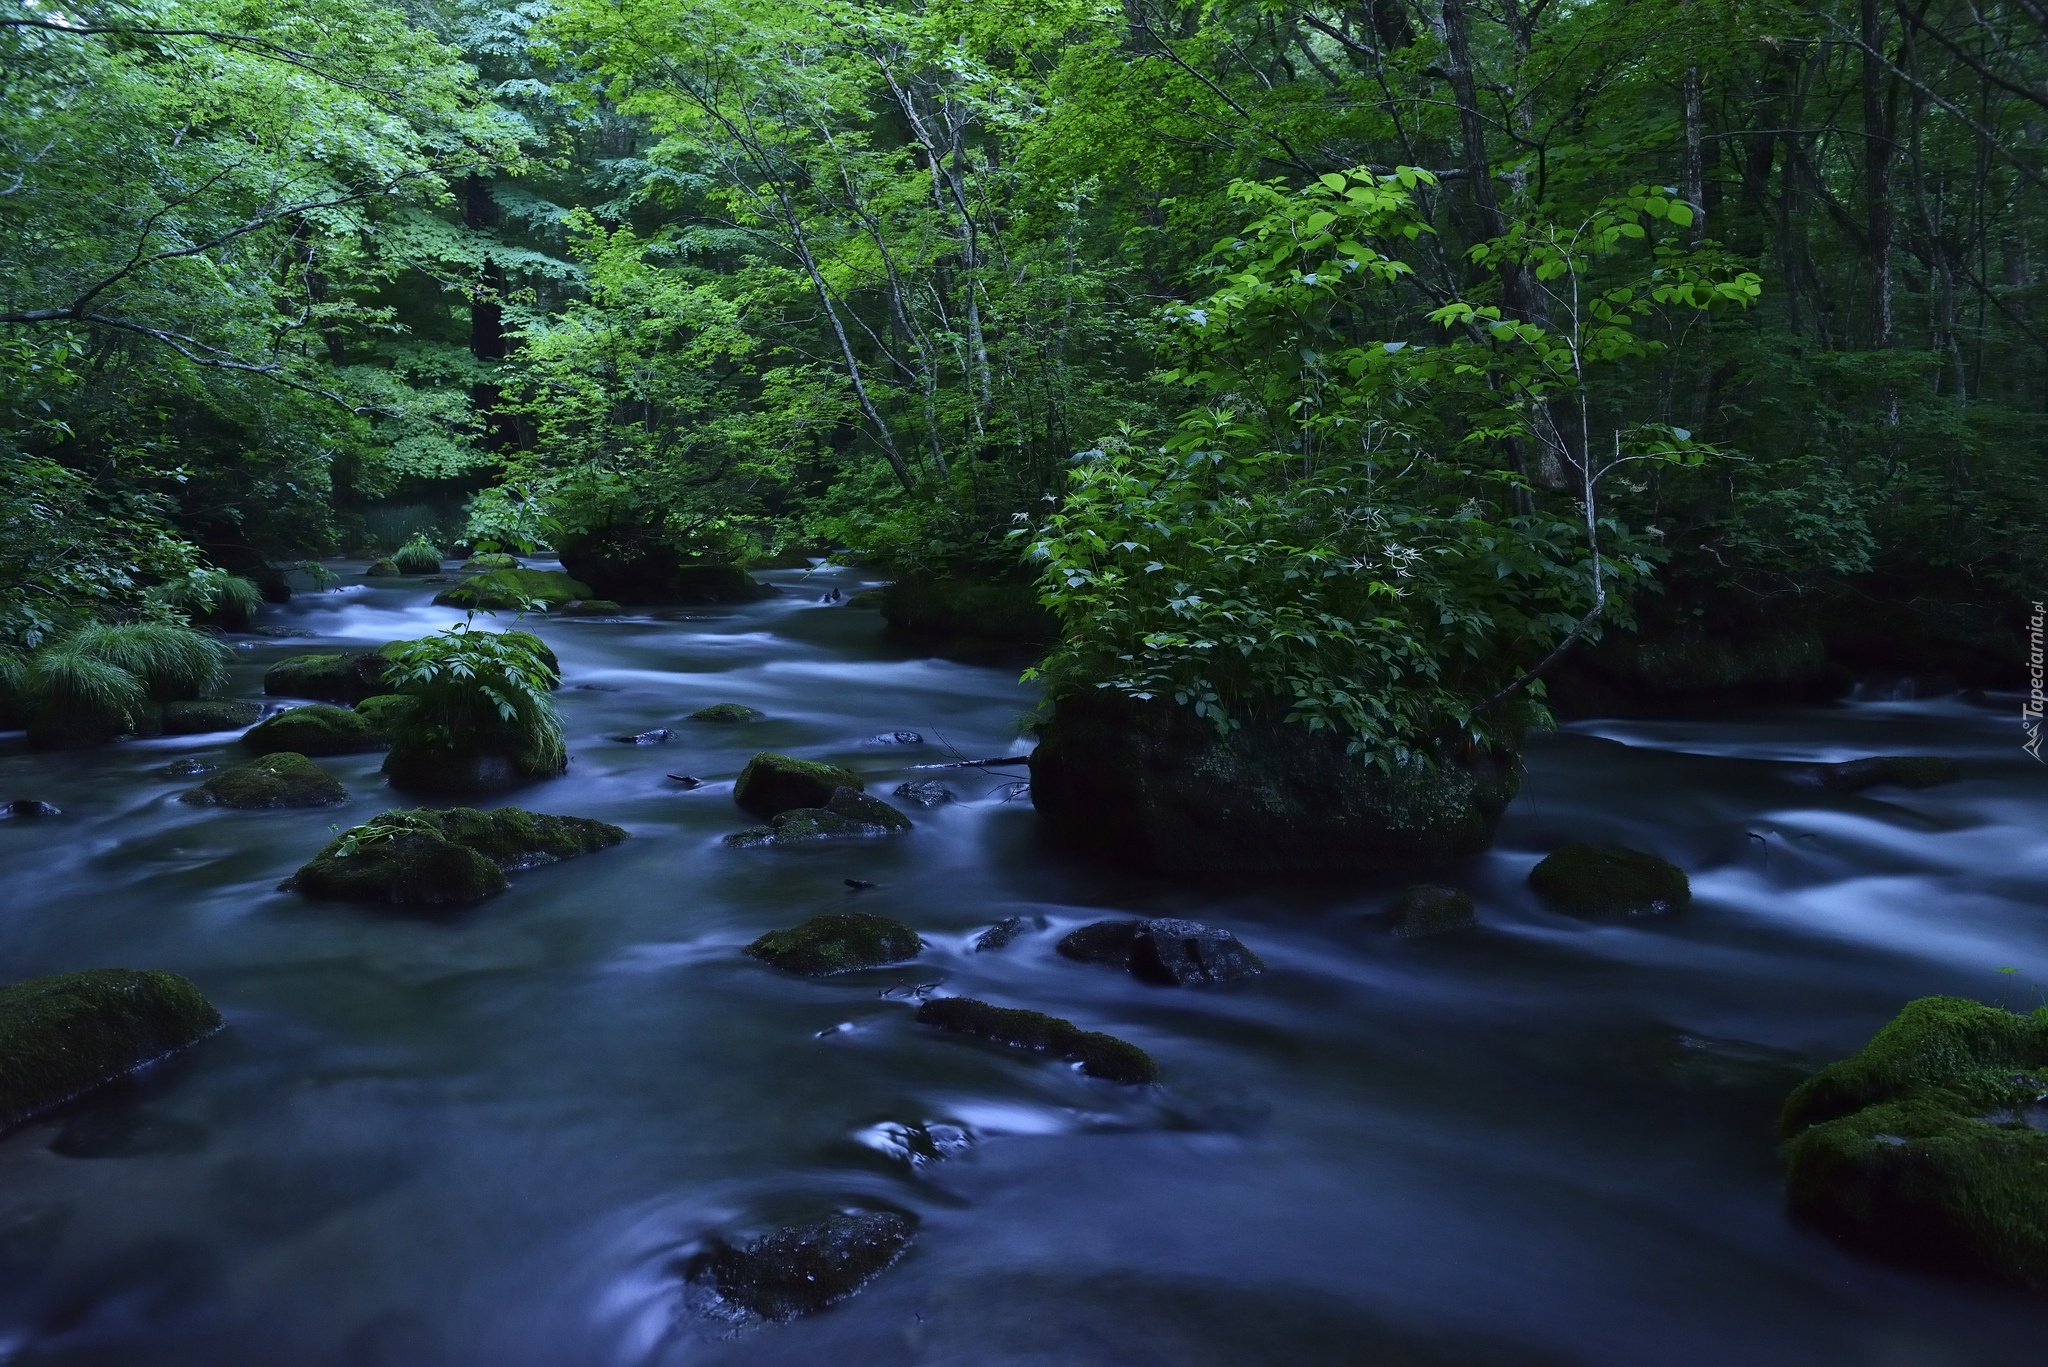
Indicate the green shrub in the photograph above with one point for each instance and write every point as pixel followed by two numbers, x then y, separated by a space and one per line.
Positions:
pixel 417 556
pixel 483 716
pixel 77 699
pixel 173 662
pixel 212 597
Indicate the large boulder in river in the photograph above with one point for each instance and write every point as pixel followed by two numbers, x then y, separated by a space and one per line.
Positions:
pixel 629 564
pixel 196 718
pixel 428 858
pixel 65 1035
pixel 1164 950
pixel 772 783
pixel 1929 1146
pixel 514 590
pixel 329 678
pixel 315 729
pixel 848 814
pixel 838 943
pixel 1610 880
pixel 1152 786
pixel 805 1268
pixel 279 780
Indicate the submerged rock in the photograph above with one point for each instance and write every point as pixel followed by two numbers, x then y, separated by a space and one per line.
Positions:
pixel 427 858
pixel 661 735
pixel 849 815
pixel 1929 1146
pixel 925 792
pixel 65 1035
pixel 1896 771
pixel 1164 950
pixel 315 729
pixel 726 713
pixel 1100 1055
pixel 190 767
pixel 513 590
pixel 805 1268
pixel 896 738
pixel 1425 909
pixel 1610 880
pixel 210 714
pixel 329 678
pixel 837 943
pixel 772 783
pixel 999 935
pixel 284 779
pixel 28 809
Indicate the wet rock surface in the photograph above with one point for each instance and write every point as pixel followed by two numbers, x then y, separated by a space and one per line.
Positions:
pixel 65 1035
pixel 660 735
pixel 726 713
pixel 925 792
pixel 1000 935
pixel 1099 1055
pixel 328 677
pixel 1889 771
pixel 284 779
pixel 1425 909
pixel 805 1268
pixel 29 809
pixel 1164 950
pixel 848 815
pixel 837 943
pixel 772 784
pixel 429 858
pixel 314 729
pixel 1610 880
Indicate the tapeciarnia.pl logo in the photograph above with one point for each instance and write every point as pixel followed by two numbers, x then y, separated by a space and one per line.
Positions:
pixel 2030 714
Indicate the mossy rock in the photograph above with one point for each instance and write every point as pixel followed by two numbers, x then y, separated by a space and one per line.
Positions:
pixel 1929 1146
pixel 315 729
pixel 277 780
pixel 1424 909
pixel 726 713
pixel 490 560
pixel 1894 771
pixel 329 678
pixel 1164 950
pixel 867 598
pixel 591 607
pixel 385 712
pixel 65 1035
pixel 848 815
pixel 418 556
pixel 1610 880
pixel 1100 1055
pixel 384 567
pixel 967 606
pixel 805 1268
pixel 838 943
pixel 772 784
pixel 513 589
pixel 428 858
pixel 210 714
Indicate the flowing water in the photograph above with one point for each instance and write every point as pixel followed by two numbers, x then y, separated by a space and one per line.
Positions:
pixel 491 1139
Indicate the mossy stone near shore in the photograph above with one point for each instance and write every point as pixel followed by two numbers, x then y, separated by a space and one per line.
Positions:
pixel 726 713
pixel 328 677
pixel 315 729
pixel 1889 771
pixel 804 1268
pixel 383 567
pixel 1424 909
pixel 772 784
pixel 1610 880
pixel 1929 1146
pixel 65 1035
pixel 837 943
pixel 1100 1055
pixel 385 712
pixel 278 780
pixel 513 589
pixel 428 858
pixel 196 718
pixel 490 560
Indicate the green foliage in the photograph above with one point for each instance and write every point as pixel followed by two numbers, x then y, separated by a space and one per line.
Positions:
pixel 479 692
pixel 211 596
pixel 417 556
pixel 171 661
pixel 75 698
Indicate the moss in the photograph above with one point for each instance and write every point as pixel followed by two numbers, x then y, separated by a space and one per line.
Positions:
pixel 867 598
pixel 329 678
pixel 726 713
pixel 1930 1043
pixel 773 783
pixel 1425 909
pixel 283 779
pixel 848 815
pixel 315 729
pixel 385 712
pixel 212 714
pixel 514 589
pixel 383 567
pixel 1099 1055
pixel 1609 880
pixel 1898 771
pixel 427 858
pixel 837 943
pixel 591 607
pixel 490 560
pixel 65 1035
pixel 417 556
pixel 805 1268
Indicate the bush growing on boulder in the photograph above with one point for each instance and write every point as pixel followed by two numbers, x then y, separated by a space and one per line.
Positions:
pixel 430 858
pixel 838 943
pixel 772 784
pixel 1609 880
pixel 65 1035
pixel 417 556
pixel 73 699
pixel 482 717
pixel 315 729
pixel 277 780
pixel 173 662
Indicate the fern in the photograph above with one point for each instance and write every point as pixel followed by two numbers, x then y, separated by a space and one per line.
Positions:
pixel 479 692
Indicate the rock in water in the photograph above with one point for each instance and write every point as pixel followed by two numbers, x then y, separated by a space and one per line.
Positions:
pixel 805 1268
pixel 1425 909
pixel 210 714
pixel 330 678
pixel 1152 786
pixel 838 943
pixel 999 935
pixel 429 858
pixel 68 1034
pixel 661 735
pixel 772 784
pixel 513 589
pixel 385 712
pixel 848 815
pixel 1899 771
pixel 1929 1146
pixel 925 792
pixel 1164 950
pixel 1103 1056
pixel 315 729
pixel 726 713
pixel 280 780
pixel 29 809
pixel 896 738
pixel 1610 880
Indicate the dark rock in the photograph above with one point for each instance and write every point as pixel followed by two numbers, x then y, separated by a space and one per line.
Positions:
pixel 514 590
pixel 1152 786
pixel 999 935
pixel 65 1035
pixel 428 858
pixel 1099 1055
pixel 962 605
pixel 1898 771
pixel 725 712
pixel 1608 880
pixel 773 783
pixel 1924 1148
pixel 661 735
pixel 29 809
pixel 896 738
pixel 838 943
pixel 1426 909
pixel 642 566
pixel 283 779
pixel 1100 942
pixel 1164 950
pixel 805 1268
pixel 386 712
pixel 210 714
pixel 189 767
pixel 687 781
pixel 384 567
pixel 848 815
pixel 315 729
pixel 590 607
pixel 925 792
pixel 859 885
pixel 329 678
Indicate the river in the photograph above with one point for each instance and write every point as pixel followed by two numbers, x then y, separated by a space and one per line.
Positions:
pixel 492 1138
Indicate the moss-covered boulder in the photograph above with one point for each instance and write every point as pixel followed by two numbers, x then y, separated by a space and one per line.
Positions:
pixel 511 590
pixel 328 677
pixel 726 713
pixel 486 561
pixel 386 712
pixel 1889 771
pixel 209 714
pixel 590 607
pixel 1424 909
pixel 428 858
pixel 838 943
pixel 383 567
pixel 847 815
pixel 1151 786
pixel 1610 880
pixel 771 784
pixel 1100 1055
pixel 645 565
pixel 1929 1146
pixel 805 1268
pixel 65 1035
pixel 968 606
pixel 315 729
pixel 277 780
